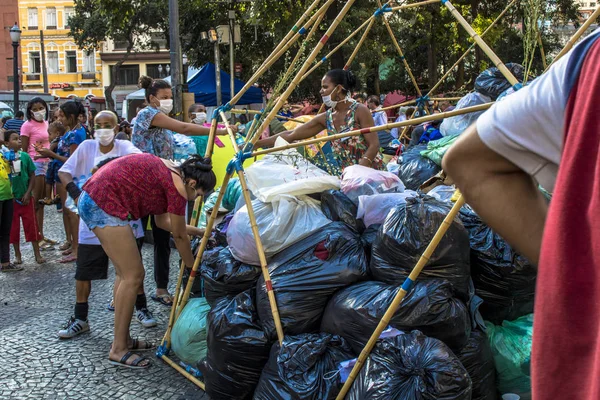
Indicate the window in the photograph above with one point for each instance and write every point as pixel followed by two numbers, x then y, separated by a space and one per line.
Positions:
pixel 53 62
pixel 35 67
pixel 158 71
pixel 32 18
pixel 69 12
pixel 592 4
pixel 89 62
pixel 51 18
pixel 71 56
pixel 128 74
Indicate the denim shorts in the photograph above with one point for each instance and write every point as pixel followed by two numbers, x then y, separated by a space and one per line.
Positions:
pixel 94 216
pixel 52 173
pixel 41 167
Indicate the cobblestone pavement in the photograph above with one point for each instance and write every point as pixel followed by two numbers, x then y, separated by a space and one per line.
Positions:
pixel 36 302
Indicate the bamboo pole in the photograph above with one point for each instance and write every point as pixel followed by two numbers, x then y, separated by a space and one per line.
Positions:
pixel 422 3
pixel 370 21
pixel 397 45
pixel 483 45
pixel 449 71
pixel 183 372
pixel 268 61
pixel 542 52
pixel 304 43
pixel 259 247
pixel 406 287
pixel 305 67
pixel 415 121
pixel 254 112
pixel 582 29
pixel 359 45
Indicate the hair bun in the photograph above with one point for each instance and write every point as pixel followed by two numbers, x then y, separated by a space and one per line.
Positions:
pixel 204 164
pixel 351 80
pixel 145 82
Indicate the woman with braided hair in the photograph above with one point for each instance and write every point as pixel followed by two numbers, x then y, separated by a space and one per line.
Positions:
pixel 129 188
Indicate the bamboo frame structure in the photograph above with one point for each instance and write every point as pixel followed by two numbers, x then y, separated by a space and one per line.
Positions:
pixel 405 288
pixel 254 112
pixel 236 165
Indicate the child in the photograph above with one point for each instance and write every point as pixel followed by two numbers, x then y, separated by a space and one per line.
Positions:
pixel 23 174
pixel 55 132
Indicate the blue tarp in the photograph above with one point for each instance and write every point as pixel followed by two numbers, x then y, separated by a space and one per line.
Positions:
pixel 203 86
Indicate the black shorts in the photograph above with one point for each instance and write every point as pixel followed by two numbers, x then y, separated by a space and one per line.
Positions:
pixel 92 262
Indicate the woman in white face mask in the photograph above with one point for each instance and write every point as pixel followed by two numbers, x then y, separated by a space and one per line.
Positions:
pixel 344 115
pixel 153 134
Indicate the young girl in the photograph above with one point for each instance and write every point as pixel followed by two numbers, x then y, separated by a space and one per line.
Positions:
pixel 69 117
pixel 34 134
pixel 23 180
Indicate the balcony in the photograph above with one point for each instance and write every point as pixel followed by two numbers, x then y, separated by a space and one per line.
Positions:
pixel 32 77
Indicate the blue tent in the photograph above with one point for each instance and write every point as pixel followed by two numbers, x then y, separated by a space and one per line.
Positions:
pixel 204 87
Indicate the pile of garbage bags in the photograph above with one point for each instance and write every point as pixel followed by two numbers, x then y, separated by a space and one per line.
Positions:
pixel 307 274
pixel 492 83
pixel 338 207
pixel 406 233
pixel 411 366
pixel 304 367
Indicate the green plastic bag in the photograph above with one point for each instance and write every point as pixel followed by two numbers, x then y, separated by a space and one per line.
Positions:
pixel 232 194
pixel 188 338
pixel 511 347
pixel 437 148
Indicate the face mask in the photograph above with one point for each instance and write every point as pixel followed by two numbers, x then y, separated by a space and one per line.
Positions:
pixel 104 136
pixel 200 118
pixel 328 101
pixel 166 106
pixel 39 115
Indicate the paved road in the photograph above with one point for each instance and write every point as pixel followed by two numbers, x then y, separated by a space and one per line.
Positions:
pixel 34 364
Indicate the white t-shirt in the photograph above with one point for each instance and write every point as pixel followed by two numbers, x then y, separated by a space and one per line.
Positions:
pixel 80 164
pixel 527 127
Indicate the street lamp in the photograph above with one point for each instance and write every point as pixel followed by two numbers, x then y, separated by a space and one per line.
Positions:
pixel 15 36
pixel 213 37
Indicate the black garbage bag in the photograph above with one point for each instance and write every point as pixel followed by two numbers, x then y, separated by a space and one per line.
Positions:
pixel 238 349
pixel 367 239
pixel 306 275
pixel 416 169
pixel 504 279
pixel 220 232
pixel 478 360
pixel 304 368
pixel 354 312
pixel 338 207
pixel 492 83
pixel 225 276
pixel 406 233
pixel 411 367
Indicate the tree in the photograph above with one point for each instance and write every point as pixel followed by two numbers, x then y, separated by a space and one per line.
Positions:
pixel 96 21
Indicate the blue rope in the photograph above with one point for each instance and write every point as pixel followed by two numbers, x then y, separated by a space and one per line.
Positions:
pixel 380 11
pixel 302 31
pixel 237 162
pixel 162 350
pixel 421 101
pixel 517 86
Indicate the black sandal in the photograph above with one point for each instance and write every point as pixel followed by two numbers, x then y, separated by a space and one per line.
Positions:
pixel 134 364
pixel 136 345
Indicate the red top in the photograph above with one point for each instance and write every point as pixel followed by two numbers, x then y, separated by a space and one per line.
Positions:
pixel 566 342
pixel 135 186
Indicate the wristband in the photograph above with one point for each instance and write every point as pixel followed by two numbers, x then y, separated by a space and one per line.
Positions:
pixel 73 190
pixel 367 158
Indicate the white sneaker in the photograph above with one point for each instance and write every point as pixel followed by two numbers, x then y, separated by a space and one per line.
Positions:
pixel 73 328
pixel 144 317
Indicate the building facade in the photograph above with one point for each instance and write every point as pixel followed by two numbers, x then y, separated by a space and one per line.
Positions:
pixel 9 11
pixel 154 62
pixel 587 7
pixel 72 72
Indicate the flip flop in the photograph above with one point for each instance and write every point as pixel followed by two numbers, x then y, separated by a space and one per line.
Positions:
pixel 164 299
pixel 64 246
pixel 67 259
pixel 134 364
pixel 67 252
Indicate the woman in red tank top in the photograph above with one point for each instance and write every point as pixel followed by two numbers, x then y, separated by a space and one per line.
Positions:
pixel 132 187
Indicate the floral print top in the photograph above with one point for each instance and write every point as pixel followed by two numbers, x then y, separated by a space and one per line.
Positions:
pixel 348 151
pixel 74 136
pixel 151 139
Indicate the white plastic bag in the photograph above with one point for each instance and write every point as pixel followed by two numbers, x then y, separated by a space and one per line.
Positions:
pixel 184 147
pixel 374 209
pixel 364 181
pixel 287 173
pixel 280 223
pixel 457 124
pixel 442 193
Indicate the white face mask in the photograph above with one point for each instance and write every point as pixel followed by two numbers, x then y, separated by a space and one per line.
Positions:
pixel 104 136
pixel 200 118
pixel 39 115
pixel 166 106
pixel 328 102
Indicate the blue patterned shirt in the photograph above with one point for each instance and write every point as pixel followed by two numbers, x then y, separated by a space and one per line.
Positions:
pixel 151 139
